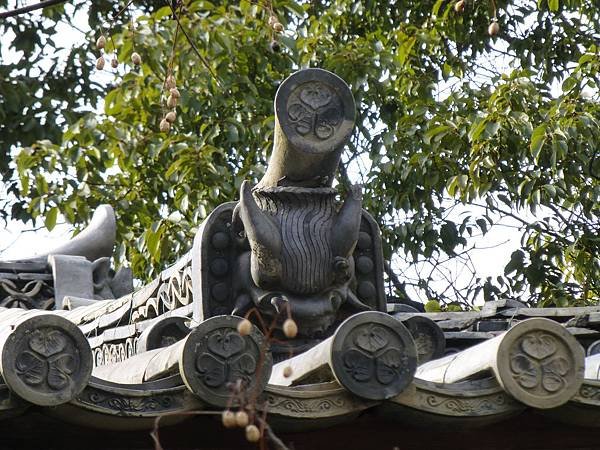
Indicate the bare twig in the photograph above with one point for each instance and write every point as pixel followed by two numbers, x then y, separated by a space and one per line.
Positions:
pixel 28 8
pixel 193 45
pixel 277 443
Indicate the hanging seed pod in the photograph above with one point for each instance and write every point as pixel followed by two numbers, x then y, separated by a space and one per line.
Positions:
pixel 275 47
pixel 170 82
pixel 228 419
pixel 278 27
pixel 494 28
pixel 241 419
pixel 171 102
pixel 114 63
pixel 244 327
pixel 459 6
pixel 171 116
pixel 165 126
pixel 100 63
pixel 136 58
pixel 290 329
pixel 252 433
pixel 175 92
pixel 101 42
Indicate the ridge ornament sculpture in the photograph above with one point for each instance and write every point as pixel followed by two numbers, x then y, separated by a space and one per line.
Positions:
pixel 288 245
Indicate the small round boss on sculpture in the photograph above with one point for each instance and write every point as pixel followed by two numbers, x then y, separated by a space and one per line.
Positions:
pixel 316 110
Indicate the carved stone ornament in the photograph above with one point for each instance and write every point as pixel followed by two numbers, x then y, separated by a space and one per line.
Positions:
pixel 110 353
pixel 151 405
pixel 26 293
pixel 589 393
pixel 428 336
pixel 540 367
pixel 164 332
pixel 217 360
pixel 301 241
pixel 315 110
pixel 373 355
pixel 46 360
pixel 290 244
pixel 135 401
pixel 319 401
pixel 78 268
pixel 465 399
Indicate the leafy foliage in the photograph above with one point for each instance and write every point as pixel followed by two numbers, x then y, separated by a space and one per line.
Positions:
pixel 449 119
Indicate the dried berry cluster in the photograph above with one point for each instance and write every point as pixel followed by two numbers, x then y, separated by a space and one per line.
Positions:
pixel 493 28
pixel 101 61
pixel 277 27
pixel 170 84
pixel 171 103
pixel 246 417
pixel 173 98
pixel 136 59
pixel 241 419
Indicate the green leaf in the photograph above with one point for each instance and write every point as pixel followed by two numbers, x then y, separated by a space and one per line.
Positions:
pixel 112 102
pixel 553 5
pixel 491 129
pixel 165 11
pixel 569 84
pixel 436 133
pixel 550 190
pixel 516 262
pixel 432 306
pixel 51 217
pixel 449 236
pixel 482 223
pixel 405 49
pixel 538 138
pixel 452 185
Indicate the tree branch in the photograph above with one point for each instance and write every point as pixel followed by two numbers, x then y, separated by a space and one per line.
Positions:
pixel 28 8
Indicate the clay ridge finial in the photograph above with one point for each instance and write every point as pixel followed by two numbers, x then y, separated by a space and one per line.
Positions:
pixel 314 117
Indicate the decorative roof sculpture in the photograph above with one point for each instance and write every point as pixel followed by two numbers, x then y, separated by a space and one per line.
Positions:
pixel 288 245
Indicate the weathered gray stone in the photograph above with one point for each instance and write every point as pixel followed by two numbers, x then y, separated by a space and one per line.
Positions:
pixel 294 249
pixel 72 276
pixel 314 117
pixel 95 241
pixel 28 283
pixel 122 282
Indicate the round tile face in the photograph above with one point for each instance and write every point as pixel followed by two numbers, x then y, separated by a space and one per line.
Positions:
pixel 373 355
pixel 47 360
pixel 216 359
pixel 316 110
pixel 540 363
pixel 428 336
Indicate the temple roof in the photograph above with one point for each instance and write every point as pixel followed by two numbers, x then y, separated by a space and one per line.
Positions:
pixel 430 413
